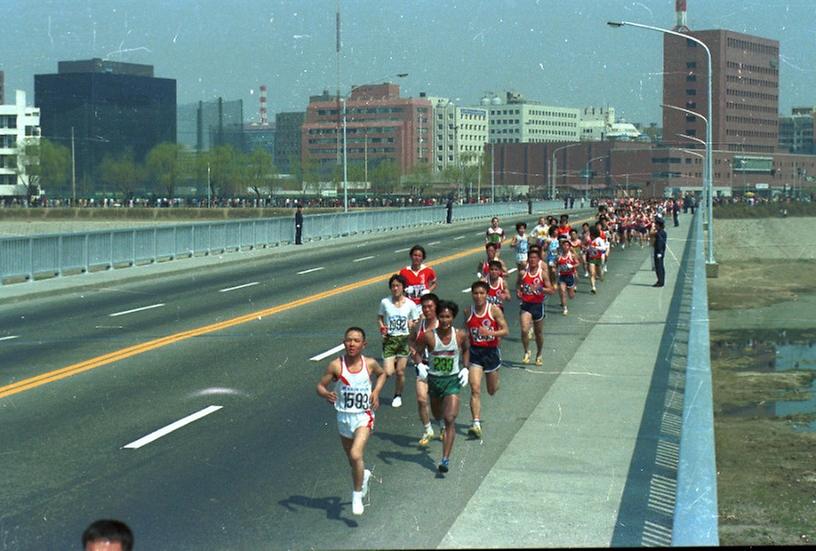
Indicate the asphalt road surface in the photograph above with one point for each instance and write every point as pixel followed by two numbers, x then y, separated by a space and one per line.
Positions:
pixel 84 376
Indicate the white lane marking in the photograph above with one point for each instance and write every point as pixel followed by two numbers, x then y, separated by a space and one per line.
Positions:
pixel 403 250
pixel 466 290
pixel 433 243
pixel 9 337
pixel 480 233
pixel 458 238
pixel 228 289
pixel 513 270
pixel 143 441
pixel 327 353
pixel 363 258
pixel 136 310
pixel 109 327
pixel 310 270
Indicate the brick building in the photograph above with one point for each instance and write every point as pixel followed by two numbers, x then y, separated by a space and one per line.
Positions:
pixel 380 126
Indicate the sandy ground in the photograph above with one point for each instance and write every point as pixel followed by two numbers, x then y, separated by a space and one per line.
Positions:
pixel 766 476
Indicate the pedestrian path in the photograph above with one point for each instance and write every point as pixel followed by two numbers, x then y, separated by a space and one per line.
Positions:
pixel 566 477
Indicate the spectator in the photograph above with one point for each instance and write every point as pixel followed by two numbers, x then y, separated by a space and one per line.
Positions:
pixel 107 535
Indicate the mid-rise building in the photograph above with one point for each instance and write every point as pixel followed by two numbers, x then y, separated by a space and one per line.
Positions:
pixel 380 126
pixel 207 124
pixel 19 126
pixel 598 124
pixel 745 90
pixel 288 140
pixel 109 108
pixel 796 131
pixel 2 88
pixel 459 133
pixel 514 119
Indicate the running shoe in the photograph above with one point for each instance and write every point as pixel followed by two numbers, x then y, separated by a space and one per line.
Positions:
pixel 475 431
pixel 593 290
pixel 444 465
pixel 366 478
pixel 539 360
pixel 526 358
pixel 426 438
pixel 586 274
pixel 396 402
pixel 605 270
pixel 565 311
pixel 357 506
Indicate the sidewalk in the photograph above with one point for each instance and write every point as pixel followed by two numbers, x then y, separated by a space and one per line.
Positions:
pixel 595 463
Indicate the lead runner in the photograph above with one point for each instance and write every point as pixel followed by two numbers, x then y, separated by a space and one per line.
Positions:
pixel 354 400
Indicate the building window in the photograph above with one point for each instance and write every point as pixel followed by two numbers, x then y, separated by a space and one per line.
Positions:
pixel 691 64
pixel 691 92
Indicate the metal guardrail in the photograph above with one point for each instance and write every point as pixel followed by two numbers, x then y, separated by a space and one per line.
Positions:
pixel 695 510
pixel 55 255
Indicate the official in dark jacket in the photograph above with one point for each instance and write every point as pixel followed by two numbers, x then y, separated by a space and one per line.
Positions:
pixel 660 252
pixel 299 225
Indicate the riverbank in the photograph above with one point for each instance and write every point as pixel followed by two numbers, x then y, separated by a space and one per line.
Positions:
pixel 763 304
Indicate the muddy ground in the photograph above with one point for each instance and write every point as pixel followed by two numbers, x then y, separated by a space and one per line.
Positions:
pixel 766 292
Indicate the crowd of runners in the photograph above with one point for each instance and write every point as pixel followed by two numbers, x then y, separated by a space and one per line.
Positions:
pixel 420 328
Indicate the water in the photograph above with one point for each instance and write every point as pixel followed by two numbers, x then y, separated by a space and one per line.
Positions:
pixel 777 356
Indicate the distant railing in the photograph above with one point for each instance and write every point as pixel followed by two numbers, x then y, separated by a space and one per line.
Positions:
pixel 30 258
pixel 695 510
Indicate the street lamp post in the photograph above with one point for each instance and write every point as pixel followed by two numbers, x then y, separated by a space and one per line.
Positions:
pixel 709 164
pixel 587 173
pixel 345 147
pixel 553 166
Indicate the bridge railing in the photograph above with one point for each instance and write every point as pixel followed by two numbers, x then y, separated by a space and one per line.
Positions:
pixel 28 258
pixel 695 511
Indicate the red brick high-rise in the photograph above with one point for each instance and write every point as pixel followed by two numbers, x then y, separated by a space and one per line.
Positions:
pixel 745 89
pixel 380 126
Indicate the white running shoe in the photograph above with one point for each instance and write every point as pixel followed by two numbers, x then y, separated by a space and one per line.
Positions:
pixel 396 402
pixel 586 274
pixel 366 478
pixel 357 506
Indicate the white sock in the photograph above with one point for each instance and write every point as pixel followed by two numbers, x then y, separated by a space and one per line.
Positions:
pixel 428 427
pixel 355 494
pixel 476 423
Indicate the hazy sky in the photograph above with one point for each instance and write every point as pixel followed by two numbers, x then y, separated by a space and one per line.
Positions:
pixel 556 51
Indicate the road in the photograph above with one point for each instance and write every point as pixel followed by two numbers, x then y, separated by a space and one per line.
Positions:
pixel 265 470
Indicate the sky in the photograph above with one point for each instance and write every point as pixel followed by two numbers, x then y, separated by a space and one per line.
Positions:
pixel 560 52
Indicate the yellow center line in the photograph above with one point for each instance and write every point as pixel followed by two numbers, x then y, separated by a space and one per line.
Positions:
pixel 117 355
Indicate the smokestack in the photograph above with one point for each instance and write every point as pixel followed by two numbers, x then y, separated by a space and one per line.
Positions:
pixel 263 112
pixel 680 9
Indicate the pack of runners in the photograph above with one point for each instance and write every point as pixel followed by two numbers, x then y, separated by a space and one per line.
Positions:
pixel 417 326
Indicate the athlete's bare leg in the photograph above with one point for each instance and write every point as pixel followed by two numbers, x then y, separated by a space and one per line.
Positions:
pixel 450 409
pixel 388 366
pixel 399 384
pixel 492 382
pixel 354 451
pixel 475 382
pixel 525 321
pixel 422 402
pixel 538 329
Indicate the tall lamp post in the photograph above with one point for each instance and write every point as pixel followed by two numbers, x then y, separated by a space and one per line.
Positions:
pixel 345 146
pixel 587 173
pixel 708 166
pixel 553 166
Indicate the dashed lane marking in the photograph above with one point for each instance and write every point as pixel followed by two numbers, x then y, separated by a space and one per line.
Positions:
pixel 228 289
pixel 310 270
pixel 145 440
pixel 152 306
pixel 327 353
pixel 363 258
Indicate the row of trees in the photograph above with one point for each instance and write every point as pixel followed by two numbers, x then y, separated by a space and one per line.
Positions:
pixel 227 171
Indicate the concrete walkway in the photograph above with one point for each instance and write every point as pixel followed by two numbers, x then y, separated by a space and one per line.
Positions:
pixel 594 464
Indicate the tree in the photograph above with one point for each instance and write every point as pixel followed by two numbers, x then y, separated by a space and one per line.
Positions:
pixel 419 179
pixel 384 177
pixel 165 166
pixel 260 170
pixel 122 172
pixel 44 166
pixel 223 170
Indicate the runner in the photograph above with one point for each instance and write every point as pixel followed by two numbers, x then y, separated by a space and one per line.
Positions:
pixel 396 316
pixel 485 325
pixel 595 254
pixel 521 245
pixel 419 278
pixel 533 290
pixel 354 400
pixel 449 353
pixel 484 266
pixel 539 232
pixel 567 265
pixel 563 226
pixel 552 252
pixel 497 292
pixel 427 322
pixel 494 234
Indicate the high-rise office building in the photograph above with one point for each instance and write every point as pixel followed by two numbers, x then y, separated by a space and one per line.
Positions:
pixel 459 134
pixel 109 107
pixel 19 127
pixel 207 124
pixel 796 131
pixel 2 88
pixel 515 119
pixel 745 89
pixel 288 140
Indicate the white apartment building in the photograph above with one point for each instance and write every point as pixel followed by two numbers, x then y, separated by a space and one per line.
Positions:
pixel 18 126
pixel 517 120
pixel 459 133
pixel 598 124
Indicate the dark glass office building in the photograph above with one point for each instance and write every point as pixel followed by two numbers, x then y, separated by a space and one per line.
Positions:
pixel 110 106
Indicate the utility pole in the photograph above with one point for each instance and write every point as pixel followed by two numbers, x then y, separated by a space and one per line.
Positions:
pixel 73 169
